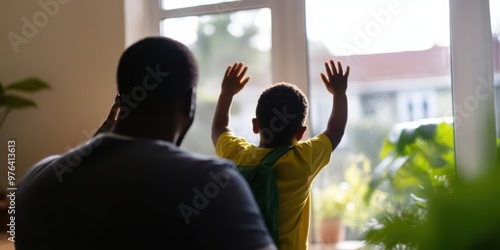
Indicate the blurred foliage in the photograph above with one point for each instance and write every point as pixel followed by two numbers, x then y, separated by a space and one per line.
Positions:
pixel 394 229
pixel 417 161
pixel 345 200
pixel 9 100
pixel 453 214
pixel 467 219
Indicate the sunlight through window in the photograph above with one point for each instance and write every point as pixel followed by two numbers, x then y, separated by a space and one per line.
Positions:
pixel 399 56
pixel 218 41
pixel 169 4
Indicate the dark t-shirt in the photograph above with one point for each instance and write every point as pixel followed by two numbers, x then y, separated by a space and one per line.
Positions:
pixel 123 193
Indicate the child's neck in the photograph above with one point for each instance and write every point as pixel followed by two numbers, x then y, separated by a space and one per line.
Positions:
pixel 262 144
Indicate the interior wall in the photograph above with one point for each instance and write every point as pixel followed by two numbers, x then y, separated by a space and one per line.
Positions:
pixel 74 45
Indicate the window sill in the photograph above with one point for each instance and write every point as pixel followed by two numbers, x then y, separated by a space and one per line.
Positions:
pixel 343 245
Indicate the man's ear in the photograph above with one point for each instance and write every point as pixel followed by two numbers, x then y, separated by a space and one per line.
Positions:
pixel 300 132
pixel 256 127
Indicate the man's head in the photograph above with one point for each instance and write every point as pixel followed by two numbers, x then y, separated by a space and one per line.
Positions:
pixel 157 79
pixel 280 114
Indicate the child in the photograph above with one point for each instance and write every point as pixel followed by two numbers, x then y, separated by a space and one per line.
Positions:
pixel 280 116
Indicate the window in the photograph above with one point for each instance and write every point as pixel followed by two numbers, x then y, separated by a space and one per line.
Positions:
pixel 495 28
pixel 401 68
pixel 172 5
pixel 247 26
pixel 400 72
pixel 213 38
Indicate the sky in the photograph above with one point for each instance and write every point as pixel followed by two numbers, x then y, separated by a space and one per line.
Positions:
pixel 378 26
pixel 347 26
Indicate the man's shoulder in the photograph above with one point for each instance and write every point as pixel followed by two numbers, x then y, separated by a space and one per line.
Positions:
pixel 40 167
pixel 45 162
pixel 163 152
pixel 201 160
pixel 180 154
pixel 192 163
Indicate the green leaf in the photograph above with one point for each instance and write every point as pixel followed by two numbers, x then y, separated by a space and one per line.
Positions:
pixel 406 138
pixel 387 148
pixel 419 201
pixel 390 229
pixel 385 169
pixel 28 85
pixel 396 165
pixel 425 131
pixel 444 135
pixel 380 171
pixel 11 102
pixel 411 179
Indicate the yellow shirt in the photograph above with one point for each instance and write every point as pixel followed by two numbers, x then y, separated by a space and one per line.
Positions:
pixel 294 172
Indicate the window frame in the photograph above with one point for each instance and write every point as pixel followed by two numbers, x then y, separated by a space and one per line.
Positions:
pixel 471 67
pixel 471 62
pixel 288 60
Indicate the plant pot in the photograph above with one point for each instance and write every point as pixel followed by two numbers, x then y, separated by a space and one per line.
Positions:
pixel 331 231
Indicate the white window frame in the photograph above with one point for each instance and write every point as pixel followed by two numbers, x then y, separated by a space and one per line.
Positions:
pixel 471 49
pixel 472 69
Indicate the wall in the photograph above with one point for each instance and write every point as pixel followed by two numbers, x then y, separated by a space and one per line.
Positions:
pixel 74 45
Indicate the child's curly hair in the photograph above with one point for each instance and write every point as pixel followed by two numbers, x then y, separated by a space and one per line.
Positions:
pixel 281 110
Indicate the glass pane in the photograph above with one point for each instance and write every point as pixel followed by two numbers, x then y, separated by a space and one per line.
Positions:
pixel 495 28
pixel 218 41
pixel 399 80
pixel 176 4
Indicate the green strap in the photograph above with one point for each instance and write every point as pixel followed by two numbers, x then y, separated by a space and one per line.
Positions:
pixel 275 154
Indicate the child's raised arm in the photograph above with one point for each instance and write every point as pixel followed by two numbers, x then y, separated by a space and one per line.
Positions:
pixel 336 83
pixel 234 81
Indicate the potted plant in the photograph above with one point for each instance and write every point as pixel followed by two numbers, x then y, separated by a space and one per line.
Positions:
pixel 418 170
pixel 341 206
pixel 10 100
pixel 417 160
pixel 332 202
pixel 466 219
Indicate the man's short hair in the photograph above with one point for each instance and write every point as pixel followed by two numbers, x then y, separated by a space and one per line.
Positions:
pixel 154 68
pixel 281 110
